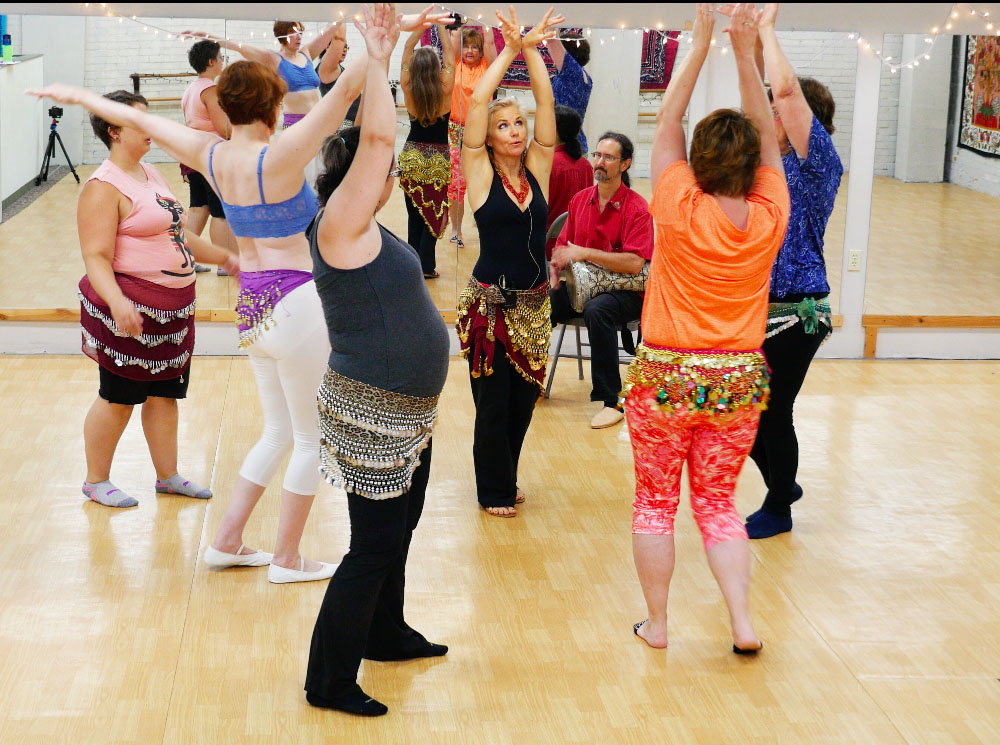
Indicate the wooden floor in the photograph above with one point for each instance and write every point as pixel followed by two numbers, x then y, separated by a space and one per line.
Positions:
pixel 879 612
pixel 926 241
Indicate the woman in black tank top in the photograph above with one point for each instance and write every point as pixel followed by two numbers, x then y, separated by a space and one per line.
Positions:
pixel 503 313
pixel 425 168
pixel 378 399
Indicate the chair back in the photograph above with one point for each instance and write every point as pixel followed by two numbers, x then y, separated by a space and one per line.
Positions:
pixel 557 225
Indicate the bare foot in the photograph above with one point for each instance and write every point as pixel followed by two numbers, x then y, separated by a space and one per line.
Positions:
pixel 501 511
pixel 520 497
pixel 655 635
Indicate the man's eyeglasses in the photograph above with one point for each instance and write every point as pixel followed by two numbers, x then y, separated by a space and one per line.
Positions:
pixel 605 158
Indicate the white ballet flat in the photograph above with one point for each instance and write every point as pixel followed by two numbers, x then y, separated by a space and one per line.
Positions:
pixel 280 575
pixel 222 560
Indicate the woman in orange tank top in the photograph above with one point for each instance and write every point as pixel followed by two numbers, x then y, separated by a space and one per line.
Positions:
pixel 699 380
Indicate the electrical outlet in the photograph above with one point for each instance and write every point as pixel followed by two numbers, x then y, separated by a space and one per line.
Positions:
pixel 854 261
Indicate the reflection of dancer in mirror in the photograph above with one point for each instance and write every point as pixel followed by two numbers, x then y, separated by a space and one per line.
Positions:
pixel 503 313
pixel 474 56
pixel 269 206
pixel 292 62
pixel 330 67
pixel 799 315
pixel 378 400
pixel 571 85
pixel 695 389
pixel 137 304
pixel 425 168
pixel 200 104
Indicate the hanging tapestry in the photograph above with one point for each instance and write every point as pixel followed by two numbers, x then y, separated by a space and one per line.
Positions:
pixel 659 50
pixel 980 126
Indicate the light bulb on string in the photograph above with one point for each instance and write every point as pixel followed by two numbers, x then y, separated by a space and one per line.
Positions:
pixel 948 26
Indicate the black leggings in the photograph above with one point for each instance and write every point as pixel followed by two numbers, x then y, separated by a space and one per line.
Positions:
pixel 420 237
pixel 362 611
pixel 776 449
pixel 504 402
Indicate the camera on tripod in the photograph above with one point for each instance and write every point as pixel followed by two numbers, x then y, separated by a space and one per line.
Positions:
pixel 55 112
pixel 50 148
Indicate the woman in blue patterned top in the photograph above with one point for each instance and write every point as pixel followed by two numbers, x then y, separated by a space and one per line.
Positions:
pixel 571 84
pixel 799 317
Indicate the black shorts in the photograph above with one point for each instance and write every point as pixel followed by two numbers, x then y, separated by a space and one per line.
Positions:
pixel 118 390
pixel 202 195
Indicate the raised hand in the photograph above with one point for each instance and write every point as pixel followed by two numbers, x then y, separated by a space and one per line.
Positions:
pixel 424 19
pixel 60 93
pixel 743 28
pixel 511 30
pixel 187 35
pixel 380 30
pixel 543 31
pixel 704 22
pixel 769 15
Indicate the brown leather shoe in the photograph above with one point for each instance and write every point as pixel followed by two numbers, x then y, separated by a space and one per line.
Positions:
pixel 606 417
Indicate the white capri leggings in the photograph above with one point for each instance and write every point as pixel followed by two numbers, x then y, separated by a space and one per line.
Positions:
pixel 289 360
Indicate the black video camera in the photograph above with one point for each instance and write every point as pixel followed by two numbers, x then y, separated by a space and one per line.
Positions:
pixel 55 112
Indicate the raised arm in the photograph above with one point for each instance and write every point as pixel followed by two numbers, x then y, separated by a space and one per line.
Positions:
pixel 210 97
pixel 329 67
pixel 298 145
pixel 249 51
pixel 489 44
pixel 543 143
pixel 743 33
pixel 668 140
pixel 557 52
pixel 348 214
pixel 447 64
pixel 314 46
pixel 789 102
pixel 404 69
pixel 183 144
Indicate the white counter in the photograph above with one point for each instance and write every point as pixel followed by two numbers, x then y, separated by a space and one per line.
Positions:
pixel 23 134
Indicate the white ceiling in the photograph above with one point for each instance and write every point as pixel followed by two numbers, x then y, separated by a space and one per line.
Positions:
pixel 869 18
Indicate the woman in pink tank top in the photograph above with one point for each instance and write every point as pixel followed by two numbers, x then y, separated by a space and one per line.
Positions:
pixel 136 307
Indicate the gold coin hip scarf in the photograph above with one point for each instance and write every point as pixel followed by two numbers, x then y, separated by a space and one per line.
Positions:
pixel 713 382
pixel 523 330
pixel 371 439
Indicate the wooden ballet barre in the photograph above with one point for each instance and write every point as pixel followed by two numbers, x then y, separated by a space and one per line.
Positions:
pixel 137 76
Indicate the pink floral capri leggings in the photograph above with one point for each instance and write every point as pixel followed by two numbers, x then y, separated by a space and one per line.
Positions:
pixel 714 448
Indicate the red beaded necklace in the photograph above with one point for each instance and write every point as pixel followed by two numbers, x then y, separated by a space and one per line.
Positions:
pixel 519 194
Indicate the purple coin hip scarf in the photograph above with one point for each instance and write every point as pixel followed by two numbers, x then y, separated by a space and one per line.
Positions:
pixel 289 119
pixel 259 293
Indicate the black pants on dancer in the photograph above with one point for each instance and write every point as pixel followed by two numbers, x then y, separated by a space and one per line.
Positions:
pixel 421 238
pixel 776 449
pixel 362 611
pixel 504 402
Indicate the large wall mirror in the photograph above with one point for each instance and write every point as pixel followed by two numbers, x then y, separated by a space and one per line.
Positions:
pixel 936 198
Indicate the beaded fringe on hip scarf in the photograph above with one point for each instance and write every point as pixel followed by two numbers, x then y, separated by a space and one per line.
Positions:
pixel 811 313
pixel 371 439
pixel 523 330
pixel 426 173
pixel 716 382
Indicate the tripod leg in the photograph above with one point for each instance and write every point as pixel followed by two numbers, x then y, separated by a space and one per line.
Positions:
pixel 68 161
pixel 43 173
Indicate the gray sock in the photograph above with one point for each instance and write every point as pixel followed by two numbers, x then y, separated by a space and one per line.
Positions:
pixel 107 494
pixel 177 484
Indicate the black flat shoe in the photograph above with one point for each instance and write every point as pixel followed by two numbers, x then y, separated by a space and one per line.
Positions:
pixel 425 650
pixel 748 652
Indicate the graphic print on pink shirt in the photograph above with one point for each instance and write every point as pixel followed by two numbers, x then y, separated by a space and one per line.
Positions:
pixel 176 232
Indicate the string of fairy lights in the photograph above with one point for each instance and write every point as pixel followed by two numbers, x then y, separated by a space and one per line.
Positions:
pixel 676 36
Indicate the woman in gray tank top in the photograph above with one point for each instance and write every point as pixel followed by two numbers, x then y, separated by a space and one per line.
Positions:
pixel 378 400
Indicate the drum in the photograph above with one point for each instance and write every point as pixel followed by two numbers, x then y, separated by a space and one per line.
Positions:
pixel 585 281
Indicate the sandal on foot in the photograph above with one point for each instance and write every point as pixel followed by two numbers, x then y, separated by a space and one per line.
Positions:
pixel 431 275
pixel 495 513
pixel 741 650
pixel 520 497
pixel 637 626
pixel 459 242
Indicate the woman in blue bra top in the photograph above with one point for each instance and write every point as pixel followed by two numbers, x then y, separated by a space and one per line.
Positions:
pixel 293 62
pixel 269 205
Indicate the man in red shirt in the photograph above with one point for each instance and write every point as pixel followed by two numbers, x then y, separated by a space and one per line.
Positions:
pixel 608 225
pixel 571 171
